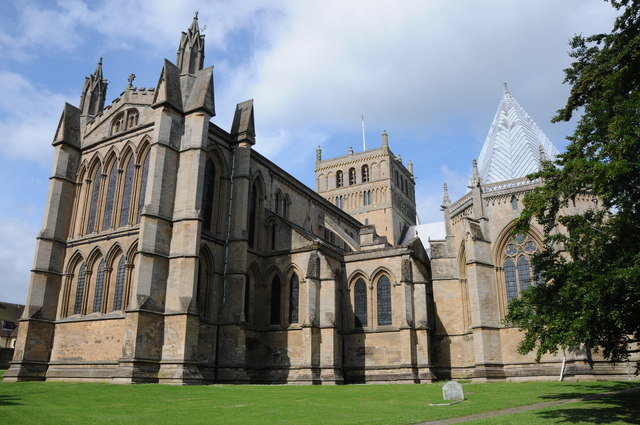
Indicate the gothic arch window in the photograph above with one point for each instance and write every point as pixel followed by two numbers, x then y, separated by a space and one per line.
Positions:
pixel 95 198
pixel 365 173
pixel 285 206
pixel 204 284
pixel 278 202
pixel 97 298
pixel 517 266
pixel 118 124
pixel 352 176
pixel 339 179
pixel 120 280
pixel 294 298
pixel 132 118
pixel 514 203
pixel 276 292
pixel 112 180
pixel 77 305
pixel 384 301
pixel 143 186
pixel 207 194
pixel 127 192
pixel 360 303
pixel 253 214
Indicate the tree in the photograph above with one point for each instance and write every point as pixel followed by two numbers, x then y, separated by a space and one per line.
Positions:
pixel 591 258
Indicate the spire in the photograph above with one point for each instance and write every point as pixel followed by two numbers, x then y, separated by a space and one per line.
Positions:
pixel 511 149
pixel 94 93
pixel 446 202
pixel 318 154
pixel 475 177
pixel 191 49
pixel 385 139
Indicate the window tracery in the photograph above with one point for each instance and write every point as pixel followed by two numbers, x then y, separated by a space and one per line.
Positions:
pixel 517 265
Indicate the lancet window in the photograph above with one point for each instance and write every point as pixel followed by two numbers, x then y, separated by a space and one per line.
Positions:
pixel 294 298
pixel 112 180
pixel 119 289
pixel 97 298
pixel 126 194
pixel 360 303
pixel 384 301
pixel 95 195
pixel 276 290
pixel 143 186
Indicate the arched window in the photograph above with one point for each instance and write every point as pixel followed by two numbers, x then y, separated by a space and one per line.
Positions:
pixel 77 305
pixel 143 186
pixel 294 298
pixel 340 202
pixel 95 195
pixel 117 125
pixel 278 202
pixel 132 118
pixel 384 301
pixel 367 197
pixel 112 180
pixel 339 179
pixel 365 173
pixel 276 290
pixel 514 202
pixel 207 194
pixel 253 212
pixel 517 265
pixel 126 194
pixel 352 176
pixel 285 206
pixel 97 298
pixel 119 289
pixel 360 303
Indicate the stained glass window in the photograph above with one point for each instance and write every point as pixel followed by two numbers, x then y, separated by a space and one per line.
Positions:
pixel 111 196
pixel 119 290
pixel 294 296
pixel 97 298
pixel 275 300
pixel 517 265
pixel 207 195
pixel 126 195
pixel 510 279
pixel 384 301
pixel 143 185
pixel 77 306
pixel 360 303
pixel 95 195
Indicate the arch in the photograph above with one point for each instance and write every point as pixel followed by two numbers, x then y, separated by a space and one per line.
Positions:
pixel 118 123
pixel 364 172
pixel 383 299
pixel 352 176
pixel 133 117
pixel 360 303
pixel 99 287
pixel 339 179
pixel 275 311
pixel 464 287
pixel 286 203
pixel 128 162
pixel 278 202
pixel 111 169
pixel 95 178
pixel 69 291
pixel 204 284
pixel 208 194
pixel 293 279
pixel 80 289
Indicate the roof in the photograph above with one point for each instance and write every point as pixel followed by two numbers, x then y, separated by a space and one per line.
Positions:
pixel 10 312
pixel 426 232
pixel 512 147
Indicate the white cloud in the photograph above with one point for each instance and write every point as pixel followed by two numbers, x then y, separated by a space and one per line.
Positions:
pixel 17 244
pixel 29 116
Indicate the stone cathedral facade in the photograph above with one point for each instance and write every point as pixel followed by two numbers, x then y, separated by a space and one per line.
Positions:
pixel 171 251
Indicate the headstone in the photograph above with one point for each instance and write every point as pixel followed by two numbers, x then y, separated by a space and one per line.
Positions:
pixel 452 391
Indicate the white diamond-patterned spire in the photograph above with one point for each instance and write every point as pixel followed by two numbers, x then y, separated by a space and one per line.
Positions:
pixel 512 147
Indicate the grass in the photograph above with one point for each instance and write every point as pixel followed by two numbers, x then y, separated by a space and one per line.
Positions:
pixel 82 403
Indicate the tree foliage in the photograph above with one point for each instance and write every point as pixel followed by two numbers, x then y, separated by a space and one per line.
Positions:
pixel 591 257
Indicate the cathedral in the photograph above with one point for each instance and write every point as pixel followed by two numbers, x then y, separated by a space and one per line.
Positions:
pixel 173 252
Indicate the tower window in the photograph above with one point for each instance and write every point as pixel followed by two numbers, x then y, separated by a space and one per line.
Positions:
pixel 352 176
pixel 339 179
pixel 365 173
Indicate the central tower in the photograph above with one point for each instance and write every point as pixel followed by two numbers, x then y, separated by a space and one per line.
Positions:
pixel 373 186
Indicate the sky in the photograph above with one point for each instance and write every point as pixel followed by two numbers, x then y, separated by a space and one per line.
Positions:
pixel 428 72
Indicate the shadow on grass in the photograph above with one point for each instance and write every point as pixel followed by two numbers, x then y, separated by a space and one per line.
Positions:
pixel 598 409
pixel 594 391
pixel 6 400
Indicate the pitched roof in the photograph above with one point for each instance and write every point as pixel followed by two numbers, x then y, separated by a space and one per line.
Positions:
pixel 512 147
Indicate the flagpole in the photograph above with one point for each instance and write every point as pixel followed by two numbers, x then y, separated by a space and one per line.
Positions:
pixel 364 143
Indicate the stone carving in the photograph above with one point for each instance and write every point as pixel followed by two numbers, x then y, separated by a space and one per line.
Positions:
pixel 452 391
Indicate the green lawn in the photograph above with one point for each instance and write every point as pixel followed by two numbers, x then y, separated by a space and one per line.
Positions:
pixel 84 403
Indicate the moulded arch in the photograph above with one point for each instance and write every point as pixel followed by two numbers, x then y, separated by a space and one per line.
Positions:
pixel 127 150
pixel 219 160
pixel 132 252
pixel 114 252
pixel 290 270
pixel 94 256
pixel 143 149
pixel 378 272
pixel 75 260
pixel 505 236
pixel 110 157
pixel 94 163
pixel 205 254
pixel 355 275
pixel 272 271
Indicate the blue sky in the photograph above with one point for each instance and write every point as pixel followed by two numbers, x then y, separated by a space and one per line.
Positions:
pixel 429 72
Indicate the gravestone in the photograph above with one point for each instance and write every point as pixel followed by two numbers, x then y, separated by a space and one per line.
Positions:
pixel 452 391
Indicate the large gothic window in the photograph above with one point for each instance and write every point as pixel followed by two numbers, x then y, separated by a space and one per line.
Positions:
pixel 360 303
pixel 294 298
pixel 77 305
pixel 126 194
pixel 119 289
pixel 517 265
pixel 112 180
pixel 143 185
pixel 97 298
pixel 253 212
pixel 384 301
pixel 207 195
pixel 276 290
pixel 95 196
